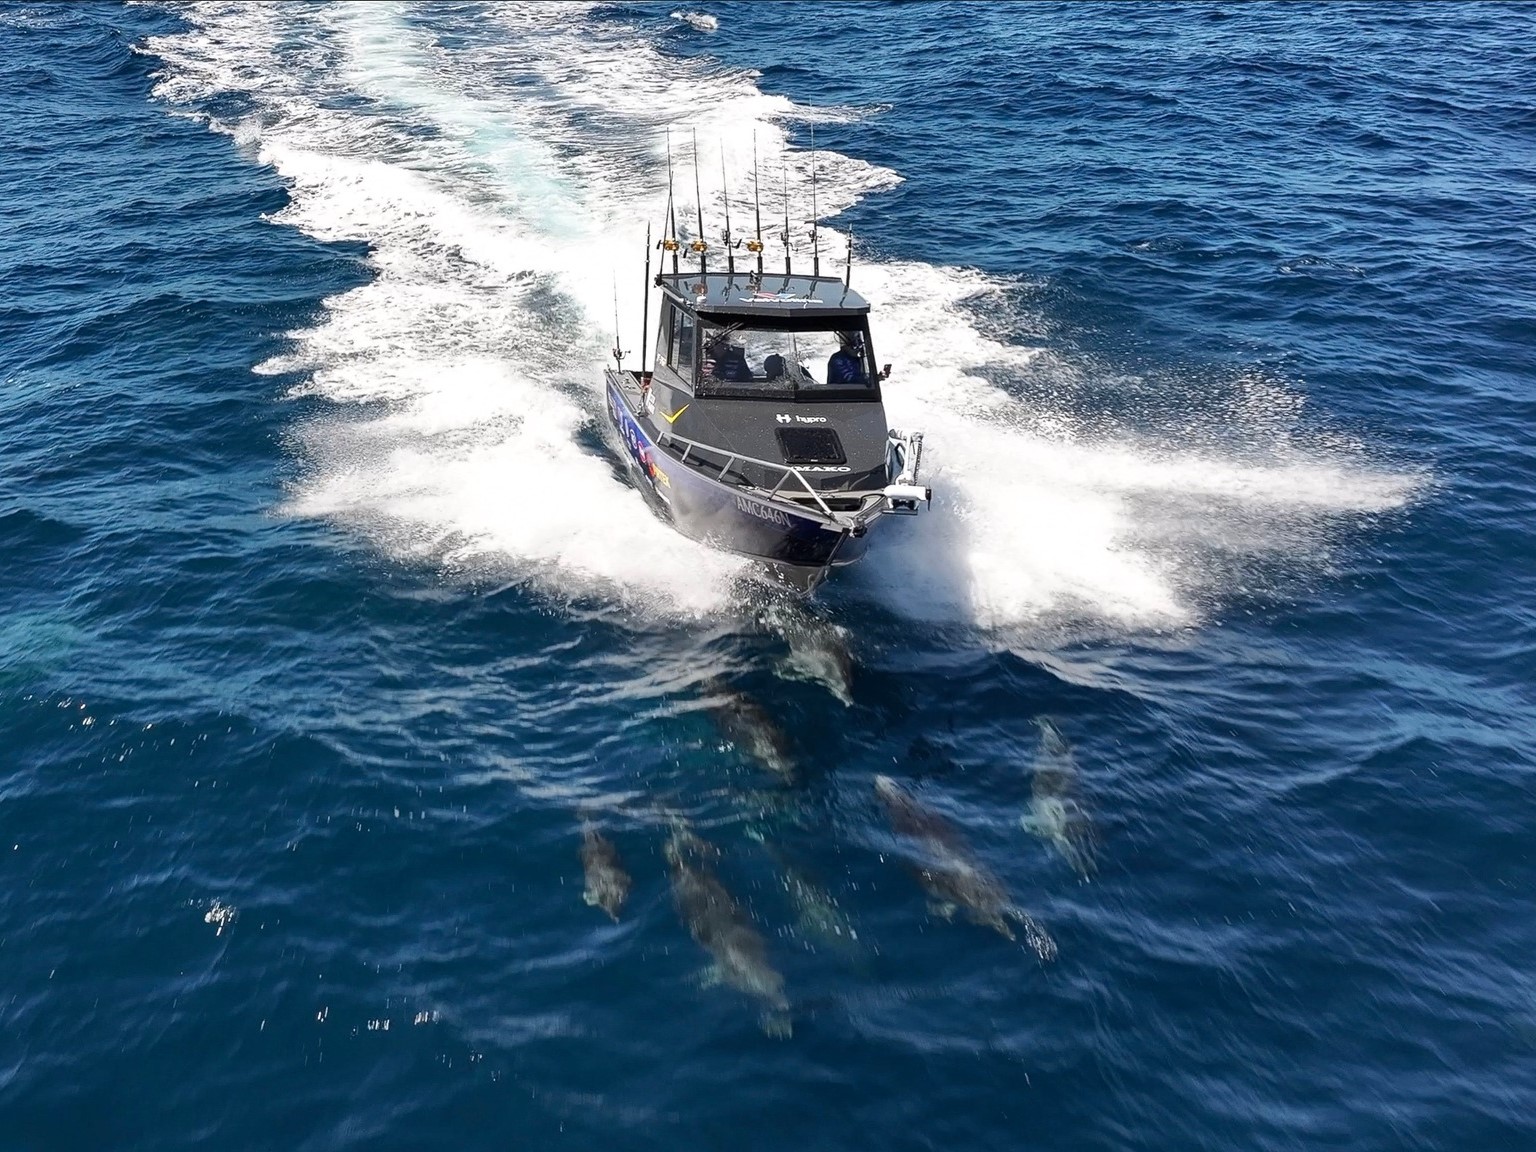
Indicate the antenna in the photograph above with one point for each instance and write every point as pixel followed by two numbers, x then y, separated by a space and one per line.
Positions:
pixel 815 240
pixel 756 246
pixel 618 353
pixel 784 161
pixel 847 272
pixel 645 307
pixel 700 245
pixel 730 256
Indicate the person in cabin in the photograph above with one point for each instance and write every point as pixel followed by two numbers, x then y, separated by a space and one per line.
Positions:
pixel 847 364
pixel 728 361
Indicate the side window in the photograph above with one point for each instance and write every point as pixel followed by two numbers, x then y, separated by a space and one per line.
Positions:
pixel 666 340
pixel 682 344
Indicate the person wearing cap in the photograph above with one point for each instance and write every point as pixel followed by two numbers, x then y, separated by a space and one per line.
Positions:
pixel 727 361
pixel 847 364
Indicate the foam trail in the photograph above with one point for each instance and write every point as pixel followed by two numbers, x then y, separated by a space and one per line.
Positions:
pixel 503 187
pixel 1035 518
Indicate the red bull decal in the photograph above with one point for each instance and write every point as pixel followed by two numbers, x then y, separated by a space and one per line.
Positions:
pixel 640 449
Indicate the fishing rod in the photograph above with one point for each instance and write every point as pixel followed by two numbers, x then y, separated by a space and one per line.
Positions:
pixel 700 245
pixel 669 243
pixel 730 255
pixel 756 246
pixel 784 163
pixel 645 307
pixel 815 240
pixel 618 353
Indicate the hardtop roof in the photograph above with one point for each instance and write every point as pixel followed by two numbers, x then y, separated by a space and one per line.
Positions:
pixel 777 297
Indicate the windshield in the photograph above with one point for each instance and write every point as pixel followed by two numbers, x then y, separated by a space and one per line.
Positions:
pixel 804 365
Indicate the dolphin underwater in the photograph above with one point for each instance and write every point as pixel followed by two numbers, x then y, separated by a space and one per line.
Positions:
pixel 747 724
pixel 948 872
pixel 818 653
pixel 1056 812
pixel 717 923
pixel 607 883
pixel 818 913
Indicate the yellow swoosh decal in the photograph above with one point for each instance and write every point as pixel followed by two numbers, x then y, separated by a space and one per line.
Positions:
pixel 672 419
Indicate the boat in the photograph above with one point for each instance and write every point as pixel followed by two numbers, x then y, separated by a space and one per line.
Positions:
pixel 758 428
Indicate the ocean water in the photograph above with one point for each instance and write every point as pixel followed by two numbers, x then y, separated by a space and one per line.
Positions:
pixel 329 616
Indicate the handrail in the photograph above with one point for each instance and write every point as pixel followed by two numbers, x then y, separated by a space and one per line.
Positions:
pixel 785 470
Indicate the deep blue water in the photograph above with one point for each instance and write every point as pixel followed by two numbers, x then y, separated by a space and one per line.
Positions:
pixel 329 614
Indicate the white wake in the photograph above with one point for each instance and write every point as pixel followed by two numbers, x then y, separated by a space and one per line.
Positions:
pixel 503 186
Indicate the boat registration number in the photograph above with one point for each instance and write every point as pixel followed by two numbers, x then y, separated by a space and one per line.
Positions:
pixel 762 512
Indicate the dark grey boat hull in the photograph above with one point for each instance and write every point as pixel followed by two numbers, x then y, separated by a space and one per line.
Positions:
pixel 801 547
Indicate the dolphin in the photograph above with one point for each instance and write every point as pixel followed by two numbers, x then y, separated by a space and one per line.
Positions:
pixel 718 924
pixel 1056 811
pixel 607 883
pixel 950 874
pixel 818 912
pixel 747 724
pixel 818 653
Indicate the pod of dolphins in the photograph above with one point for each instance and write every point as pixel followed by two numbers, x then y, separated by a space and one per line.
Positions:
pixel 934 850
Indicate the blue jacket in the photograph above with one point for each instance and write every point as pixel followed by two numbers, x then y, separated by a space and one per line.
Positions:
pixel 845 368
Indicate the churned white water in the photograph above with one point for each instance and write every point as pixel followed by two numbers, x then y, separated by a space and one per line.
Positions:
pixel 503 188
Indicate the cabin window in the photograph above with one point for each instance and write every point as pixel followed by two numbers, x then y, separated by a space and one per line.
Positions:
pixel 803 364
pixel 664 335
pixel 681 353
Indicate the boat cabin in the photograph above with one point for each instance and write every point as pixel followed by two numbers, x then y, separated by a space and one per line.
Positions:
pixel 791 339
